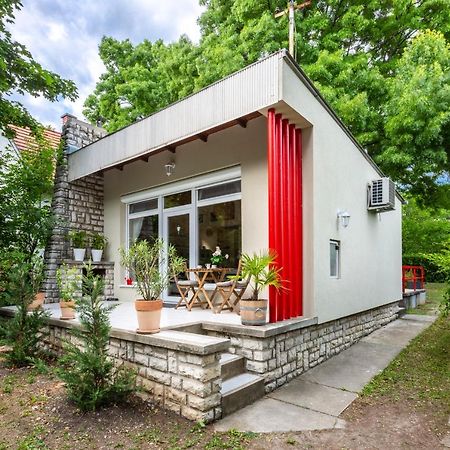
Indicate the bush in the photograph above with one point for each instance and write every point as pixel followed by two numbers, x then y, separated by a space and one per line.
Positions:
pixel 25 330
pixel 91 378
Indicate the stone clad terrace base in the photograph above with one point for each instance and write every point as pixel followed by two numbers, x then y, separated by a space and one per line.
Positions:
pixel 315 400
pixel 179 371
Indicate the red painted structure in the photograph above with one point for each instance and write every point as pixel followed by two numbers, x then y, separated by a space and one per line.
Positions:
pixel 285 214
pixel 413 277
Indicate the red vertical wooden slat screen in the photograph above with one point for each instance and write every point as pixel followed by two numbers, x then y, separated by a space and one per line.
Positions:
pixel 285 214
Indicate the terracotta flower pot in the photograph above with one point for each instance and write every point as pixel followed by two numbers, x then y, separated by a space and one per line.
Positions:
pixel 148 315
pixel 67 310
pixel 253 312
pixel 37 302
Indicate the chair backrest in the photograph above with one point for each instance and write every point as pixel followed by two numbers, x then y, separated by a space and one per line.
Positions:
pixel 185 268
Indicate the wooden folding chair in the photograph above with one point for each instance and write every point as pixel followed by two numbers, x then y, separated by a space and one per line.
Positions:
pixel 185 287
pixel 231 292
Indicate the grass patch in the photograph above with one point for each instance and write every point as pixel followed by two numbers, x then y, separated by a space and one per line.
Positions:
pixel 435 293
pixel 421 372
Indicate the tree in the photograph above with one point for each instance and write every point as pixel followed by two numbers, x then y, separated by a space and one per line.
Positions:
pixel 25 184
pixel 20 73
pixel 365 56
pixel 86 367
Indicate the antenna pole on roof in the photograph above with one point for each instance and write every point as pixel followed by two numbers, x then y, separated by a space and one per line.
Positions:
pixel 290 11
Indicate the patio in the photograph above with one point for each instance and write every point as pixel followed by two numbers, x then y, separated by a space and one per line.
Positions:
pixel 123 317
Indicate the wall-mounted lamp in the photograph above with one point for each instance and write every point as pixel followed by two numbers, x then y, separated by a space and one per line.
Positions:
pixel 170 167
pixel 344 218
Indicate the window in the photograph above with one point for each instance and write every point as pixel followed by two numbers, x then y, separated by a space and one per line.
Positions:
pixel 334 258
pixel 220 225
pixel 143 221
pixel 219 190
pixel 178 199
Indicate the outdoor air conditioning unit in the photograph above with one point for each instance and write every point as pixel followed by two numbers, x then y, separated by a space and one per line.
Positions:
pixel 381 195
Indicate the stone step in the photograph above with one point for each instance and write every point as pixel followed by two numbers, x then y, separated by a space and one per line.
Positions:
pixel 240 391
pixel 231 365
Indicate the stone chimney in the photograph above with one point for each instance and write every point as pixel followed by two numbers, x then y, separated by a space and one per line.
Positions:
pixel 76 205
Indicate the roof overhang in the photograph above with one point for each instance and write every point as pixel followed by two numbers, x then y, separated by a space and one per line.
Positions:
pixel 232 101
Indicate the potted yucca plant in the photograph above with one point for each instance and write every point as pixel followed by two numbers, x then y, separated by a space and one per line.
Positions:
pixel 261 273
pixel 143 261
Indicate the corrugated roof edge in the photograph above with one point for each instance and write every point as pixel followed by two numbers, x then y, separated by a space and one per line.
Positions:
pixel 279 52
pixel 310 85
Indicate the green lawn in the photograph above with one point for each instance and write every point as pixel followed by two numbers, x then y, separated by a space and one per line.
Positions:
pixel 434 297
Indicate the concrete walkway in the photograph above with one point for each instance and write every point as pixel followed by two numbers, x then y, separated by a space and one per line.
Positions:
pixel 315 399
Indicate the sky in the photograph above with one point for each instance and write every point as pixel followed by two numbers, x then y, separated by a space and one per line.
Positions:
pixel 63 36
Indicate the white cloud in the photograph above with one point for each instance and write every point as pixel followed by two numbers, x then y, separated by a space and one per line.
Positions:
pixel 63 35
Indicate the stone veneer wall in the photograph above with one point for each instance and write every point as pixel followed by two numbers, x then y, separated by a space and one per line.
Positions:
pixel 181 378
pixel 280 357
pixel 77 205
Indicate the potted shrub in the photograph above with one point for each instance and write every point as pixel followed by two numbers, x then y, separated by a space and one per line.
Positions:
pixel 78 240
pixel 261 273
pixel 98 244
pixel 68 284
pixel 144 260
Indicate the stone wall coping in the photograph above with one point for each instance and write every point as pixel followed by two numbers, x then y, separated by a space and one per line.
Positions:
pixel 264 331
pixel 411 293
pixel 71 262
pixel 197 344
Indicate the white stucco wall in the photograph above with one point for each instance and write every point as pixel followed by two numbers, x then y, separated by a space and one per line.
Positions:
pixel 371 244
pixel 246 147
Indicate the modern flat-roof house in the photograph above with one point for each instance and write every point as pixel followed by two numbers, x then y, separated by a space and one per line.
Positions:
pixel 257 160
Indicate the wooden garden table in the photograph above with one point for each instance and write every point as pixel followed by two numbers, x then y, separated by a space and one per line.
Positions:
pixel 202 274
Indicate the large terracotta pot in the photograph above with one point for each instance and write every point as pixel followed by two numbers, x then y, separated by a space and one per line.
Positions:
pixel 253 312
pixel 148 315
pixel 67 310
pixel 37 302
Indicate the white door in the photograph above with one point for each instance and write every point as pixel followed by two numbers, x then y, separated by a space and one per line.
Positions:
pixel 179 231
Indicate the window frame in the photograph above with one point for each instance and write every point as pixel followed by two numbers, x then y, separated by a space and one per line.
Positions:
pixel 337 245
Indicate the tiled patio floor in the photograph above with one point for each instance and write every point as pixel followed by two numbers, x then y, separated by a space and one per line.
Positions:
pixel 124 316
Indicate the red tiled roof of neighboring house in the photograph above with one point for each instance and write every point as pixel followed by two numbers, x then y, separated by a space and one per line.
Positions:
pixel 24 140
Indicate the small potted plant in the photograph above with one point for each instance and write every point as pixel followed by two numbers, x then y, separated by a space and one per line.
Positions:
pixel 68 283
pixel 79 242
pixel 144 260
pixel 98 244
pixel 217 258
pixel 261 273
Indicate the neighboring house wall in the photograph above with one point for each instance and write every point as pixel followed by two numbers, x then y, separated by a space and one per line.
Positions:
pixel 371 244
pixel 246 147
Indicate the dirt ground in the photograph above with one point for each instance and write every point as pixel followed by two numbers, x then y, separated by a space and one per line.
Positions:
pixel 35 414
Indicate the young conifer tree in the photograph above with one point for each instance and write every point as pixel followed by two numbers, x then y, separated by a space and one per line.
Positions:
pixel 92 380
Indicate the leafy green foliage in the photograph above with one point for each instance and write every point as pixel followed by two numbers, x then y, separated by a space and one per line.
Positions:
pixel 98 241
pixel 442 260
pixel 78 238
pixel 144 261
pixel 68 282
pixel 20 73
pixel 25 329
pixel 261 272
pixel 89 373
pixel 425 231
pixel 376 62
pixel 26 185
